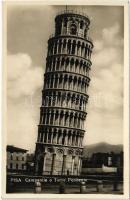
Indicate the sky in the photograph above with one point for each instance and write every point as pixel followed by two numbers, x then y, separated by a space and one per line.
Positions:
pixel 28 30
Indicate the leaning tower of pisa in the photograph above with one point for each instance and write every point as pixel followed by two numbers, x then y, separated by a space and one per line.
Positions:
pixel 64 97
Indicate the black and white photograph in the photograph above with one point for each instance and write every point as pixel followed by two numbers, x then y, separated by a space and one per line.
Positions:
pixel 66 100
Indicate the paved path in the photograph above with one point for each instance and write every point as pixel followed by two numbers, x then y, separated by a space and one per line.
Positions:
pixel 73 189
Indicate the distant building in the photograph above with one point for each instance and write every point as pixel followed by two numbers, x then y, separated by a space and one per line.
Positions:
pixel 30 163
pixel 103 162
pixel 117 159
pixel 16 159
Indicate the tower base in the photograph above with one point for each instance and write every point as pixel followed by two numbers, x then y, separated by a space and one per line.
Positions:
pixel 57 160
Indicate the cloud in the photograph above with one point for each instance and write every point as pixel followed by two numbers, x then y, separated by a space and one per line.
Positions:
pixel 105 108
pixel 24 84
pixel 23 77
pixel 110 34
pixel 107 69
pixel 110 37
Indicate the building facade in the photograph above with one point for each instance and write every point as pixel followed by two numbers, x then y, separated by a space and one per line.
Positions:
pixel 16 159
pixel 64 97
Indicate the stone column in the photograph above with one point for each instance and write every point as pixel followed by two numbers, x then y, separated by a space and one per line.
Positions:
pixel 82 72
pixel 71 120
pixel 56 63
pixel 53 83
pixel 60 140
pixel 67 83
pixel 71 47
pixel 45 118
pixel 53 47
pixel 64 119
pixel 42 119
pixel 58 81
pixel 64 165
pixel 83 51
pixel 53 164
pixel 71 84
pixel 67 29
pixel 49 82
pixel 56 137
pixel 61 47
pixel 66 139
pixel 47 137
pixel 62 27
pixel 78 31
pixel 62 83
pixel 59 64
pixel 79 166
pixel 44 163
pixel 73 125
pixel 81 124
pixel 76 49
pixel 57 48
pixel 54 118
pixel 71 139
pixel 67 120
pixel 64 48
pixel 43 137
pixel 58 119
pixel 75 122
pixel 85 87
pixel 49 117
pixel 72 166
pixel 69 66
pixel 75 140
pixel 80 163
pixel 87 52
pixel 56 100
pixel 81 140
pixel 78 140
pixel 51 137
pixel 80 48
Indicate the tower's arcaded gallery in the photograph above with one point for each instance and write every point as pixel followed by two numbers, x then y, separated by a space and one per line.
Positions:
pixel 64 97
